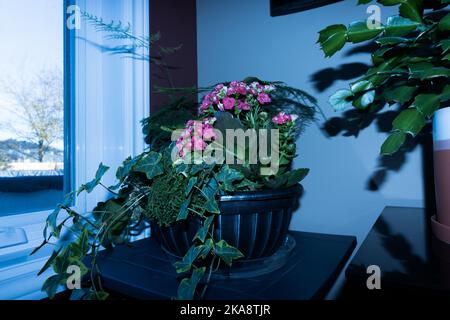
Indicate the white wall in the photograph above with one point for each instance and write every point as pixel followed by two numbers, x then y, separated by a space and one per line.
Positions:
pixel 239 38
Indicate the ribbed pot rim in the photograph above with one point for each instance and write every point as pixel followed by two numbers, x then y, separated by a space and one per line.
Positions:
pixel 270 194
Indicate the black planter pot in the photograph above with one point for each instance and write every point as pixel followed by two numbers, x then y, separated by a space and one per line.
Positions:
pixel 254 222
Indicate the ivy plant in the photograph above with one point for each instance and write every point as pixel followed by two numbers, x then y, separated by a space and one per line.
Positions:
pixel 411 65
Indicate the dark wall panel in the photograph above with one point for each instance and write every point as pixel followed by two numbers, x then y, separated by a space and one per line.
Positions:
pixel 176 20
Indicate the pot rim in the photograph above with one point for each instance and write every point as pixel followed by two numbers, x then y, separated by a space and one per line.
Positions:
pixel 283 193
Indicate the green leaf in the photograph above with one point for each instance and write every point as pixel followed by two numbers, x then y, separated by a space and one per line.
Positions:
pixel 99 295
pixel 185 264
pixel 247 184
pixel 196 168
pixel 206 248
pixel 127 166
pixel 191 184
pixel 393 143
pixel 51 285
pixel 227 177
pixel 398 26
pixel 150 165
pixel 76 262
pixel 187 287
pixel 49 262
pixel 412 9
pixel 359 32
pixel 90 186
pixel 183 169
pixel 365 99
pixel 184 209
pixel 203 231
pixel 434 73
pixel 399 94
pixel 296 176
pixel 361 86
pixel 427 104
pixel 52 221
pixel 69 198
pixel 409 121
pixel 364 2
pixel 226 173
pixel 391 40
pixel 426 70
pixel 390 2
pixel 445 45
pixel 444 24
pixel 106 209
pixel 62 262
pixel 332 39
pixel 212 206
pixel 340 100
pixel 226 252
pixel 39 247
pixel 83 242
pixel 445 95
pixel 277 182
pixel 210 189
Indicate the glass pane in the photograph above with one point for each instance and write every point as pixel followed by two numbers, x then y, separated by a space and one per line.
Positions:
pixel 31 105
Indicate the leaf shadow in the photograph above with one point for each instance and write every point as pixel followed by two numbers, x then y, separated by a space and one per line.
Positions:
pixel 325 78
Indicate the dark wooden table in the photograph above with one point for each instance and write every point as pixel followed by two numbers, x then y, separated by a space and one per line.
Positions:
pixel 145 272
pixel 411 260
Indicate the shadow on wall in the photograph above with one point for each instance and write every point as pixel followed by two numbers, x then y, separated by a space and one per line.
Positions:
pixel 325 78
pixel 353 121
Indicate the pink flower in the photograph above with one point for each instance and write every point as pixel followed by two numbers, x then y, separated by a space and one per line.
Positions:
pixel 263 98
pixel 180 144
pixel 243 106
pixel 198 144
pixel 208 133
pixel 204 106
pixel 229 103
pixel 242 90
pixel 231 91
pixel 283 118
pixel 198 129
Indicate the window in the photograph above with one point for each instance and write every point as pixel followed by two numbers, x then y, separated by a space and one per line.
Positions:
pixel 105 98
pixel 34 144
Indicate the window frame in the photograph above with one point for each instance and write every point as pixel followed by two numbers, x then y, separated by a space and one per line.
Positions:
pixel 82 164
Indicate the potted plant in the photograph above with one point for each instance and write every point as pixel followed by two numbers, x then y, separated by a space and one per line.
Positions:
pixel 410 73
pixel 195 187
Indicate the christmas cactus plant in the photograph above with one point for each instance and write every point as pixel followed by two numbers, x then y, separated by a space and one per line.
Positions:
pixel 410 69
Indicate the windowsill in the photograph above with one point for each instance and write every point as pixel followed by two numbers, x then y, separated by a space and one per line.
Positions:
pixel 18 270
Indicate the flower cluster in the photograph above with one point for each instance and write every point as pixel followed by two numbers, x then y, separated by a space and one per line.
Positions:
pixel 283 118
pixel 237 96
pixel 195 136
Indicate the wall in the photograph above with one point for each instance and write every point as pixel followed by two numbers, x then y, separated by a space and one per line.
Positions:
pixel 177 27
pixel 239 38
